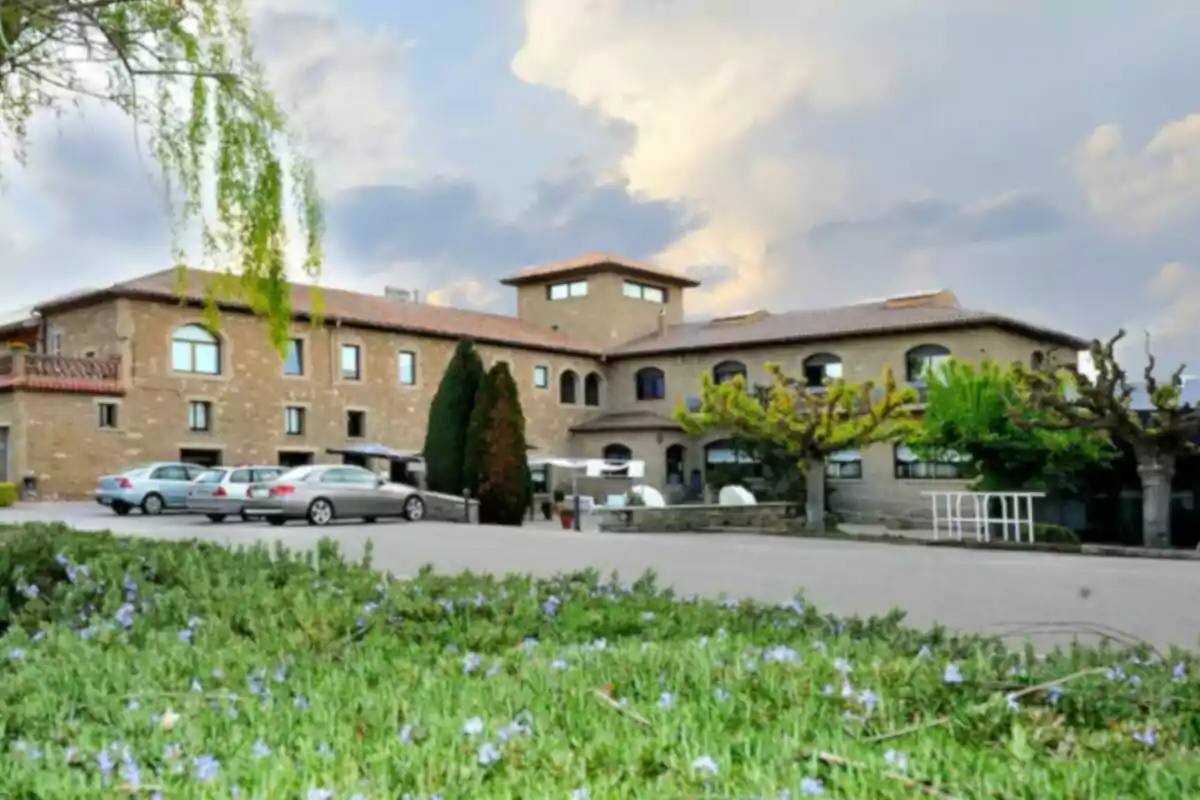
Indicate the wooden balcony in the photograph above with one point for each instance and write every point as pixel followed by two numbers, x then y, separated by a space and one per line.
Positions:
pixel 39 372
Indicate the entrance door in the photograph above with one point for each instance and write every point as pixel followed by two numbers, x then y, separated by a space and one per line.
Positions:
pixel 295 458
pixel 4 455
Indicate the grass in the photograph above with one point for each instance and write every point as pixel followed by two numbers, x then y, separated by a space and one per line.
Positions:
pixel 144 668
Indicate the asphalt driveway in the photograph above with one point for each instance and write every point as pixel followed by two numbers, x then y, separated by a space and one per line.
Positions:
pixel 995 592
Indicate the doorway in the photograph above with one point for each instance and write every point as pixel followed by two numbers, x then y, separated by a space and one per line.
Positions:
pixel 200 457
pixel 295 458
pixel 4 455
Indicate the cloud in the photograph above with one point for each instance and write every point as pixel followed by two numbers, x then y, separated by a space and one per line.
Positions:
pixel 447 233
pixel 1140 191
pixel 929 222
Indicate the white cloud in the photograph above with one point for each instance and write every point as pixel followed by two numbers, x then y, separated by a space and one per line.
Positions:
pixel 1172 321
pixel 1144 190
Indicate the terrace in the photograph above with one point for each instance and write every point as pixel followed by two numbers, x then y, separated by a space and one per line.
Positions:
pixel 52 373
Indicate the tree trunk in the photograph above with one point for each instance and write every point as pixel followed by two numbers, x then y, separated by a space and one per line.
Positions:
pixel 814 495
pixel 1156 470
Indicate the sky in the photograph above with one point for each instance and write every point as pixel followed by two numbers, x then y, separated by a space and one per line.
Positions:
pixel 1039 160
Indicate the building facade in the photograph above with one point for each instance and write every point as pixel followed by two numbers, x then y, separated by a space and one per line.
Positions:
pixel 97 381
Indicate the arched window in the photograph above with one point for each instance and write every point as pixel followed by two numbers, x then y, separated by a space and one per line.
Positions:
pixel 568 387
pixel 1037 360
pixel 591 389
pixel 821 368
pixel 675 458
pixel 727 370
pixel 650 383
pixel 195 349
pixel 617 452
pixel 923 360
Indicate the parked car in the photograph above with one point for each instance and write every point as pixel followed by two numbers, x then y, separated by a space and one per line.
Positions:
pixel 321 494
pixel 222 492
pixel 154 488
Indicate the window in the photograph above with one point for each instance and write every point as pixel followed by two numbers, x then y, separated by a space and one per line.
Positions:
pixel 56 343
pixel 106 415
pixel 921 361
pixel 356 424
pixel 213 476
pixel 948 466
pixel 293 421
pixel 293 361
pixel 591 389
pixel 821 368
pixel 406 368
pixel 240 476
pixel 265 475
pixel 195 349
pixel 844 464
pixel 650 383
pixel 728 370
pixel 351 362
pixel 641 291
pixel 561 291
pixel 568 387
pixel 675 456
pixel 540 479
pixel 618 456
pixel 541 377
pixel 199 415
pixel 1037 361
pixel 351 475
pixel 290 459
pixel 173 472
pixel 202 458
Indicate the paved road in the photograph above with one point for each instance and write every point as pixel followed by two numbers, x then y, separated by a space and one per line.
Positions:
pixel 1155 600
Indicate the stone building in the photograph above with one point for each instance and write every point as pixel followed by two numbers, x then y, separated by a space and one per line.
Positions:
pixel 99 380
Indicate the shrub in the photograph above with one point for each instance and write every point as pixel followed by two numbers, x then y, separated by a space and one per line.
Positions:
pixel 302 675
pixel 8 494
pixel 449 417
pixel 496 443
pixel 1056 534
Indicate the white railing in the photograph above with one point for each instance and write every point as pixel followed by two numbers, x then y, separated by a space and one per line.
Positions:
pixel 971 512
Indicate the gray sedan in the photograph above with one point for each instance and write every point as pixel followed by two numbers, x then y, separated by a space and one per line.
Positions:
pixel 224 491
pixel 321 494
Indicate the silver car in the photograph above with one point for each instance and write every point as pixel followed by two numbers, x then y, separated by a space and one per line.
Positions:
pixel 223 492
pixel 153 488
pixel 321 494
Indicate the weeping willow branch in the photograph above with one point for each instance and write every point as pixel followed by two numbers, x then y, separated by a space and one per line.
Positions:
pixel 184 71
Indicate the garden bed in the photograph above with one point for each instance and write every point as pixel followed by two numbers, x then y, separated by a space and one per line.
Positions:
pixel 134 666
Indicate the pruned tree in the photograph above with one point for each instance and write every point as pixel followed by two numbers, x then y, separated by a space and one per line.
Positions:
pixel 447 449
pixel 810 422
pixel 498 428
pixel 1067 398
pixel 970 414
pixel 184 71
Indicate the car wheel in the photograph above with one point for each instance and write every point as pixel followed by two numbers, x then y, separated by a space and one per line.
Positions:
pixel 152 505
pixel 320 512
pixel 216 517
pixel 414 509
pixel 121 509
pixel 369 520
pixel 276 521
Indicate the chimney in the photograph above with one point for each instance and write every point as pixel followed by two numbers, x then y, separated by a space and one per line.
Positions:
pixel 662 321
pixel 399 295
pixel 416 295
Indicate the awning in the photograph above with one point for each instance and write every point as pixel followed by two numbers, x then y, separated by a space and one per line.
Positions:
pixel 374 451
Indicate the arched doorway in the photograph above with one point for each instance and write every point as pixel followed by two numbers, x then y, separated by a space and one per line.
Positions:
pixel 676 454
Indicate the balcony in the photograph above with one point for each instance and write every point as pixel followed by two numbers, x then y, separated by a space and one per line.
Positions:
pixel 48 373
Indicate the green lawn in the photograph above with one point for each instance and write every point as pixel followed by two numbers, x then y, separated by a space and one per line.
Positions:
pixel 130 667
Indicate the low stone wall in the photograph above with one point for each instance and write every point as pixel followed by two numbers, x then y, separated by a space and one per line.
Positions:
pixel 697 518
pixel 448 508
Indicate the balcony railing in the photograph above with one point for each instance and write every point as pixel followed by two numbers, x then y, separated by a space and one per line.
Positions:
pixel 64 373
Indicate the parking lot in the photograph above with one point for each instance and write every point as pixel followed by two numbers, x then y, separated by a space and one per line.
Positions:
pixel 1155 600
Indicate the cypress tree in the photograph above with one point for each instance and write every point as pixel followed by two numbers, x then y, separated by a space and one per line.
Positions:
pixel 498 448
pixel 449 417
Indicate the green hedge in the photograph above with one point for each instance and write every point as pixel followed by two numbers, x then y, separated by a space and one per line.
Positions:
pixel 1058 534
pixel 8 494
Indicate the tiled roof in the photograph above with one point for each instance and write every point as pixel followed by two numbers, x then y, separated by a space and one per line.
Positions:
pixel 627 421
pixel 863 319
pixel 367 310
pixel 591 262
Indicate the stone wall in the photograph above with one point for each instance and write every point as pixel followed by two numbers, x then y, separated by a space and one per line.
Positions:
pixel 697 518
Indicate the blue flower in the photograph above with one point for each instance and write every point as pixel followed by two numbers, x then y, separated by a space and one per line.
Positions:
pixel 488 755
pixel 647 615
pixel 666 700
pixel 580 794
pixel 867 699
pixel 843 666
pixel 184 635
pixel 924 652
pixel 1114 674
pixel 470 662
pixel 1011 699
pixel 124 616
pixel 896 759
pixel 1146 737
pixel 811 787
pixel 130 772
pixel 205 768
pixel 705 764
pixel 558 663
pixel 1179 674
pixel 473 726
pixel 1054 692
pixel 16 654
pixel 781 653
pixel 952 674
pixel 319 794
pixel 406 733
pixel 720 694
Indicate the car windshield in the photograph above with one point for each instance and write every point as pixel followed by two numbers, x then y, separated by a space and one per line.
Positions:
pixel 295 475
pixel 211 476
